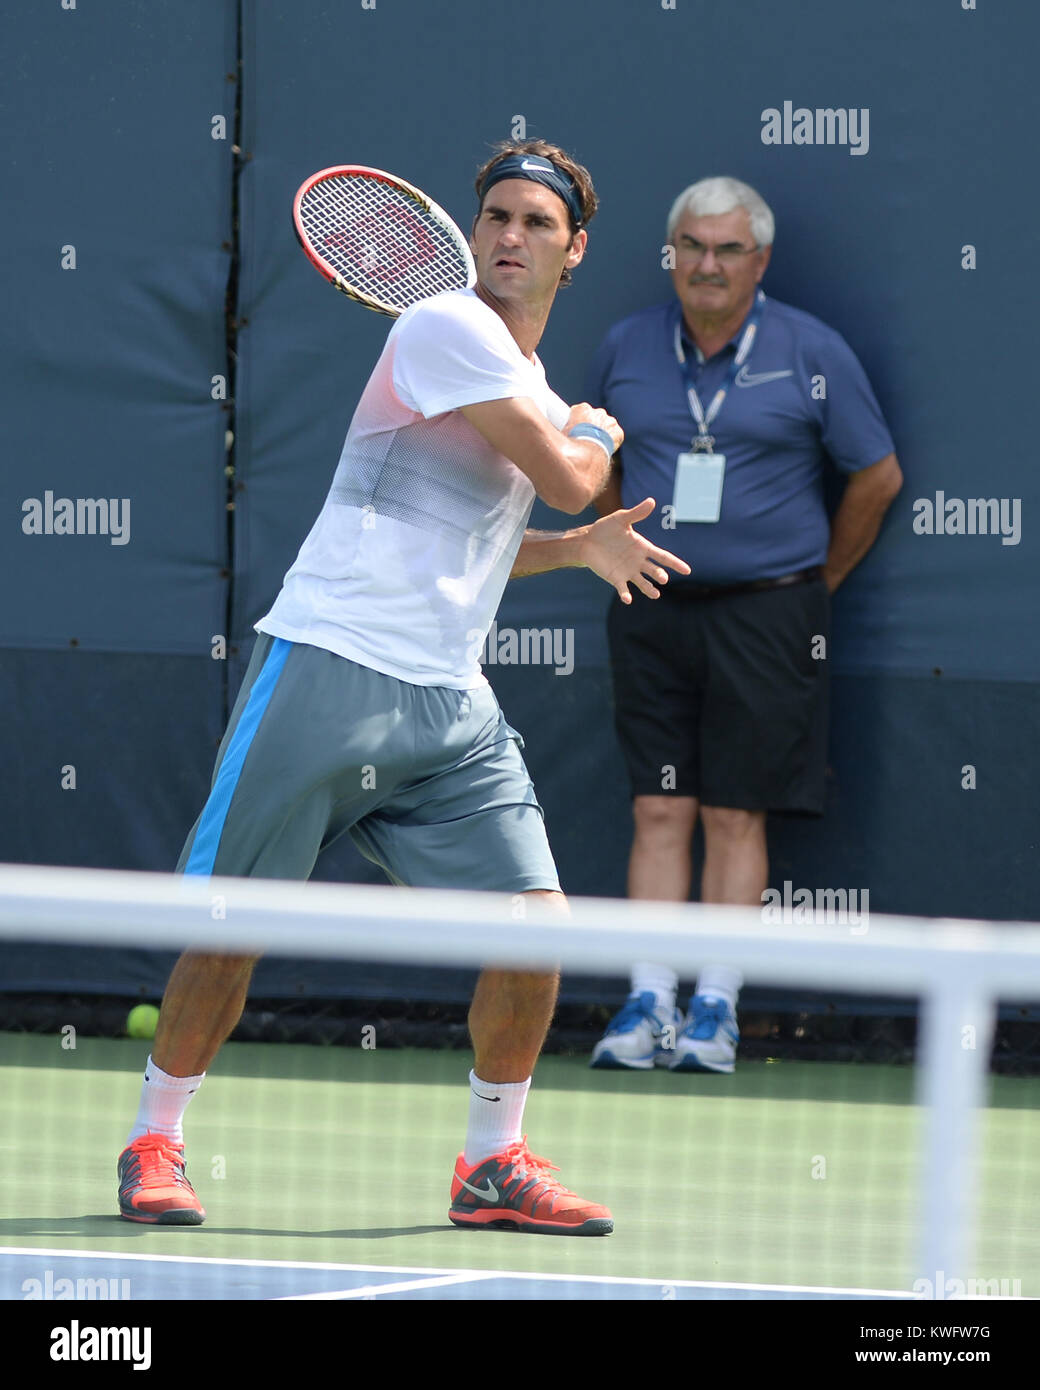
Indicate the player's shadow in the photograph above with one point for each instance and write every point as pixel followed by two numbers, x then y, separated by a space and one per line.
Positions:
pixel 362 1233
pixel 92 1224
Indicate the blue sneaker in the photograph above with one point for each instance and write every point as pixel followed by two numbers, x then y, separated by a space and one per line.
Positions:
pixel 638 1036
pixel 709 1040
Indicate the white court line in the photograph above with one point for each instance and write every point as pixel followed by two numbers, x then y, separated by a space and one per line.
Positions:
pixel 418 1271
pixel 371 1290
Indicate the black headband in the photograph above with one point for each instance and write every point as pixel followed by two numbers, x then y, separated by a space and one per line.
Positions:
pixel 538 170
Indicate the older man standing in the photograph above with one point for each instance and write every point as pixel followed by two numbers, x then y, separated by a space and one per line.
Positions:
pixel 731 403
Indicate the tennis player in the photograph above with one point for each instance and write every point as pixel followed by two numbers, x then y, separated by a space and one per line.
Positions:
pixel 368 664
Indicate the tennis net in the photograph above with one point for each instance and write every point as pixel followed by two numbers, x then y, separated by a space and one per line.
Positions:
pixel 325 1170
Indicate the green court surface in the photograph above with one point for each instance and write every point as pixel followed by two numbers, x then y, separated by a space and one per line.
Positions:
pixel 792 1174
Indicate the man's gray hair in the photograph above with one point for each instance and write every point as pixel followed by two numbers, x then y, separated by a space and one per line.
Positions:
pixel 710 197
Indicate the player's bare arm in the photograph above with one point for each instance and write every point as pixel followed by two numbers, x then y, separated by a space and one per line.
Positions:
pixel 609 547
pixel 609 499
pixel 567 473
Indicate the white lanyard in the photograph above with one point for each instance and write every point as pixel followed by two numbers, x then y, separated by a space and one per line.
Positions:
pixel 704 419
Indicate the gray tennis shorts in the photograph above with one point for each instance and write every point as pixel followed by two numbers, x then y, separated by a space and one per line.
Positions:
pixel 428 781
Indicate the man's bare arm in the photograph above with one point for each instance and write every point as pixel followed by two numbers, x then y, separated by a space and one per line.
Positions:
pixel 868 496
pixel 567 473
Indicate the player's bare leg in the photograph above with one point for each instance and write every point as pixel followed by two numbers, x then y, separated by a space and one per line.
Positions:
pixel 203 1002
pixel 498 1181
pixel 511 1013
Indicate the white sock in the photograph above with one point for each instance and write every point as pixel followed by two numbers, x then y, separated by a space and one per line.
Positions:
pixel 659 980
pixel 720 982
pixel 164 1100
pixel 496 1116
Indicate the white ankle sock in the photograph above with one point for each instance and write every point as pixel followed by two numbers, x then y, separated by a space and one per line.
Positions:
pixel 164 1100
pixel 659 980
pixel 496 1116
pixel 720 982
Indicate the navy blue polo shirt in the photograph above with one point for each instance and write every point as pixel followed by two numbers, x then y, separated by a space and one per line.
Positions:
pixel 776 432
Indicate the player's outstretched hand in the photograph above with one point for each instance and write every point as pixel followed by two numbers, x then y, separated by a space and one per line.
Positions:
pixel 621 556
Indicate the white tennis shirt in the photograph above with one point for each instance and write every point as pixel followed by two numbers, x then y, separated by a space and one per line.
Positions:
pixel 404 568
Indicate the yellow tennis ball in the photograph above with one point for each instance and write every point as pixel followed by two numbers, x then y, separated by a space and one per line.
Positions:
pixel 141 1021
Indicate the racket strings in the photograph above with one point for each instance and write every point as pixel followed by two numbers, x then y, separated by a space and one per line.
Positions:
pixel 381 241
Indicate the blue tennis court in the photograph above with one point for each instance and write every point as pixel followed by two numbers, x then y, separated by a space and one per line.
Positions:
pixel 82 1275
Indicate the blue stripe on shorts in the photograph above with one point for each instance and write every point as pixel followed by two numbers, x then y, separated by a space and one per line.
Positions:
pixel 211 823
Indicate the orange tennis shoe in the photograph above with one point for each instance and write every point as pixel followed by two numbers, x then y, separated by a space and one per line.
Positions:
pixel 153 1186
pixel 514 1191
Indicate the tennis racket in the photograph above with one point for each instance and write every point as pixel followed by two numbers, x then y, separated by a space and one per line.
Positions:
pixel 378 239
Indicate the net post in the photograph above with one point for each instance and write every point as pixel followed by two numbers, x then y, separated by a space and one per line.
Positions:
pixel 958 1021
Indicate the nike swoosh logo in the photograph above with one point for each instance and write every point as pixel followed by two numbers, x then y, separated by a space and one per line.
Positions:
pixel 493 1099
pixel 746 378
pixel 526 164
pixel 489 1195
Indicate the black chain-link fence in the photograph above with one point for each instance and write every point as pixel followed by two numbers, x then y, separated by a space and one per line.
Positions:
pixel 791 1028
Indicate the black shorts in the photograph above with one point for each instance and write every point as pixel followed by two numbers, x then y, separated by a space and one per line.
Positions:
pixel 721 698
